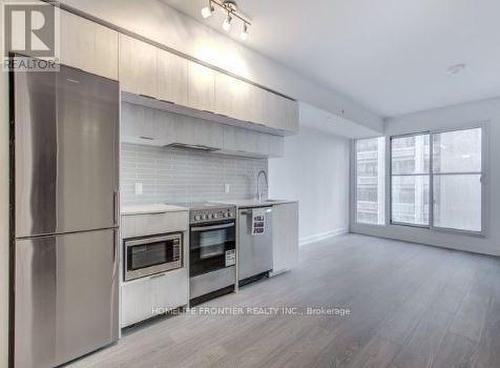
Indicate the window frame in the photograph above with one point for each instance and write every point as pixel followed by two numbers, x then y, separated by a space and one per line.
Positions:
pixel 481 173
pixel 391 175
pixel 354 187
pixel 431 174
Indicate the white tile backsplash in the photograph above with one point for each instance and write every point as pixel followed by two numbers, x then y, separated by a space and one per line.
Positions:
pixel 170 175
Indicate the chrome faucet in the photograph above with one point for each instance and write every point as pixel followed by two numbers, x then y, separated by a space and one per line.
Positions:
pixel 259 192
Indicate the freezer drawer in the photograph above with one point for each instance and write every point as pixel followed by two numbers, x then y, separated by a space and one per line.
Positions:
pixel 255 252
pixel 66 297
pixel 66 152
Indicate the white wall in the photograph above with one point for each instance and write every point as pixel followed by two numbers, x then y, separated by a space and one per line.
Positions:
pixel 315 171
pixel 452 117
pixel 165 25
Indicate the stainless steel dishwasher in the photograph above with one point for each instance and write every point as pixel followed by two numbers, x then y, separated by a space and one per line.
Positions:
pixel 255 255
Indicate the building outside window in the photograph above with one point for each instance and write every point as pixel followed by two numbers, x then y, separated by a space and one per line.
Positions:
pixel 370 181
pixel 436 180
pixel 410 169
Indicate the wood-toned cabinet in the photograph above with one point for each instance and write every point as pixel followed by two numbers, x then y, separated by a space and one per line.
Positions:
pixel 151 296
pixel 139 125
pixel 185 130
pixel 285 236
pixel 232 97
pixel 281 113
pixel 147 126
pixel 201 87
pixel 247 142
pixel 172 74
pixel 146 70
pixel 88 46
pixel 276 145
pixel 138 68
pixel 153 72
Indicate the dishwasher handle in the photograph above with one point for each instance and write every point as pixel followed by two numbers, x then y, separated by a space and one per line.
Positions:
pixel 249 211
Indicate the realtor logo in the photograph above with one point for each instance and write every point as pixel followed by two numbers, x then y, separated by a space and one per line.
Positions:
pixel 30 32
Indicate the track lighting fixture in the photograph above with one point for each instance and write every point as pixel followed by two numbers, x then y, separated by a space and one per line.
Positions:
pixel 230 7
pixel 226 26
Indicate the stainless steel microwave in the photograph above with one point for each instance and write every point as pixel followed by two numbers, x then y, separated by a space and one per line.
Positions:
pixel 151 255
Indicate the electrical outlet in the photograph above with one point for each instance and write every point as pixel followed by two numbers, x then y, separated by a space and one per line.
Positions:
pixel 227 188
pixel 138 188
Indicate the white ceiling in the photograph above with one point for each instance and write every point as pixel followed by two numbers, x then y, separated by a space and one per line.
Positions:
pixel 389 55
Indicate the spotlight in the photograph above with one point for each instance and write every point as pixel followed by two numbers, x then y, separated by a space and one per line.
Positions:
pixel 207 11
pixel 244 32
pixel 226 26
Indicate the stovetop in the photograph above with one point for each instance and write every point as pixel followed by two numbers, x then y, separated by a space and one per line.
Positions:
pixel 206 212
pixel 199 205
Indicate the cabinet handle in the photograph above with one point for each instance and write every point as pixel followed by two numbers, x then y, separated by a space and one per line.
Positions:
pixel 157 276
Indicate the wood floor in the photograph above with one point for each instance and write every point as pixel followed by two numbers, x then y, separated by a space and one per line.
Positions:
pixel 411 306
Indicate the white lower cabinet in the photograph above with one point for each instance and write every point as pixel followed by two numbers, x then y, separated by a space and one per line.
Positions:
pixel 285 236
pixel 154 295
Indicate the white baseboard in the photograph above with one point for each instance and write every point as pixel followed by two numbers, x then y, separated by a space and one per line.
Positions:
pixel 322 236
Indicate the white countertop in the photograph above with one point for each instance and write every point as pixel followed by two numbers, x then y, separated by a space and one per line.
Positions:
pixel 150 208
pixel 247 203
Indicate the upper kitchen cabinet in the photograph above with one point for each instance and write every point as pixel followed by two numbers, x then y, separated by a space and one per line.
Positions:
pixel 172 73
pixel 138 67
pixel 140 126
pixel 280 113
pixel 245 142
pixel 198 91
pixel 201 87
pixel 88 46
pixel 231 97
pixel 246 102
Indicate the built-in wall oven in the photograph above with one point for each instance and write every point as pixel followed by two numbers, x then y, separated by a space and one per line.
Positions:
pixel 149 255
pixel 212 253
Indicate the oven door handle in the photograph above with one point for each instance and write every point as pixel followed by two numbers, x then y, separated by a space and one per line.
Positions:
pixel 146 241
pixel 214 227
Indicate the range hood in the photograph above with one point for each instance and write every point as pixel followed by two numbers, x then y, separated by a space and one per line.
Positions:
pixel 196 147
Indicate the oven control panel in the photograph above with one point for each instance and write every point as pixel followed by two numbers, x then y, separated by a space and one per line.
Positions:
pixel 212 214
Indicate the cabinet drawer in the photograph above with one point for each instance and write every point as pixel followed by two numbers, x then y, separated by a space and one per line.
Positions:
pixel 158 223
pixel 150 296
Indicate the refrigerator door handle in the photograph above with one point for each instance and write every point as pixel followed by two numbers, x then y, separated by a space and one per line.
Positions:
pixel 115 207
pixel 116 248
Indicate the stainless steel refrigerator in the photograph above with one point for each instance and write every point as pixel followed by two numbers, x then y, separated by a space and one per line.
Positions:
pixel 65 213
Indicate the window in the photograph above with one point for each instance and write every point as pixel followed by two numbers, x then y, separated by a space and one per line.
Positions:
pixel 410 177
pixel 457 170
pixel 370 181
pixel 436 180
